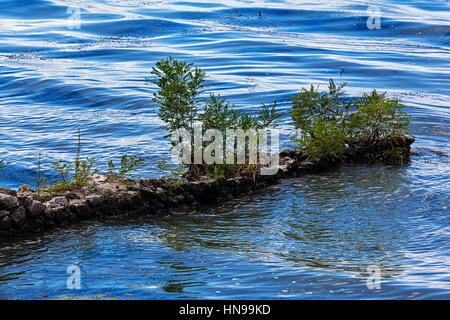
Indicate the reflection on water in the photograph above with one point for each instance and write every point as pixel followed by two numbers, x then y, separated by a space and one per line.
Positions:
pixel 312 237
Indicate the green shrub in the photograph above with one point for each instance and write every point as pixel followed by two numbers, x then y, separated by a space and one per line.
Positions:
pixel 218 114
pixel 63 170
pixel 325 139
pixel 178 96
pixel 326 122
pixel 377 116
pixel 320 121
pixel 83 168
pixel 180 86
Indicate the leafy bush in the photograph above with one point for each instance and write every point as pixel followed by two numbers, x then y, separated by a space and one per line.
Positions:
pixel 63 170
pixel 321 119
pixel 178 96
pixel 325 139
pixel 377 116
pixel 327 122
pixel 180 86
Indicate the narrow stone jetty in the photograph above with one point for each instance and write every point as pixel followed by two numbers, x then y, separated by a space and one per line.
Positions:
pixel 25 211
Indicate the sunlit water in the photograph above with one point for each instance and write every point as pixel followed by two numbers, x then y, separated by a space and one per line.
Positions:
pixel 312 237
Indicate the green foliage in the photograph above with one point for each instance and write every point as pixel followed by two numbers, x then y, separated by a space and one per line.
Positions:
pixel 163 167
pixel 217 172
pixel 326 122
pixel 63 170
pixel 179 88
pixel 75 175
pixel 178 171
pixel 311 106
pixel 167 170
pixel 321 119
pixel 85 170
pixel 377 116
pixel 128 164
pixel 218 114
pixel 324 140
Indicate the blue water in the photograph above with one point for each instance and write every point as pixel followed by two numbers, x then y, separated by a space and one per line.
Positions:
pixel 311 237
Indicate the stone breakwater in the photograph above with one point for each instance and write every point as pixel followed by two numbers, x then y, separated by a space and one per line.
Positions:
pixel 22 211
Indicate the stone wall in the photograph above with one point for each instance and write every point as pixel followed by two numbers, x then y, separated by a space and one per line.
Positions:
pixel 21 212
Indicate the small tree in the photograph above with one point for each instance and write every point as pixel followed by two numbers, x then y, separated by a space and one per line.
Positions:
pixel 180 86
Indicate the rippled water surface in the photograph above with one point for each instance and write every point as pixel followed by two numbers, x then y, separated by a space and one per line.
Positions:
pixel 312 237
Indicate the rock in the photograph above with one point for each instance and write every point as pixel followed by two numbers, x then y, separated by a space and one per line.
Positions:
pixel 19 216
pixel 71 195
pixel 288 153
pixel 3 213
pixel 178 199
pixel 98 179
pixel 58 202
pixel 95 200
pixel 25 200
pixel 60 214
pixel 306 164
pixel 79 208
pixel 8 191
pixel 25 188
pixel 409 140
pixel 106 188
pixel 8 202
pixel 159 190
pixel 6 223
pixel 36 208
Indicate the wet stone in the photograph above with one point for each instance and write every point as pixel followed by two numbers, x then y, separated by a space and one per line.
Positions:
pixel 19 216
pixel 36 208
pixel 8 202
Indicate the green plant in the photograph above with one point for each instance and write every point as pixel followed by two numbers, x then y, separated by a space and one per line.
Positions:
pixel 163 167
pixel 377 117
pixel 326 122
pixel 85 170
pixel 180 86
pixel 325 140
pixel 178 171
pixel 74 175
pixel 63 170
pixel 217 172
pixel 169 171
pixel 321 119
pixel 127 164
pixel 218 114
